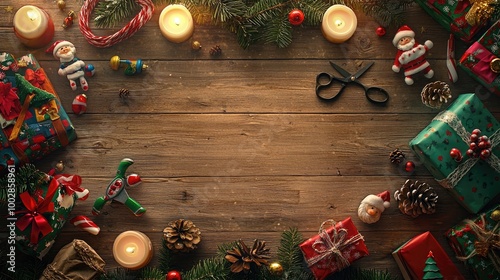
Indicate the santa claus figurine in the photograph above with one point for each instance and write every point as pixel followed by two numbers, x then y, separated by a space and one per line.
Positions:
pixel 411 55
pixel 71 67
pixel 372 206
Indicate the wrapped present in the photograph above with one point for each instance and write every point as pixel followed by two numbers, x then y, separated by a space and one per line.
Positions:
pixel 473 181
pixel 411 257
pixel 333 248
pixel 452 16
pixel 476 242
pixel 33 123
pixel 481 60
pixel 43 212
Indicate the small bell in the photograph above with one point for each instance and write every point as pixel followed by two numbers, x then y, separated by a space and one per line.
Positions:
pixel 68 21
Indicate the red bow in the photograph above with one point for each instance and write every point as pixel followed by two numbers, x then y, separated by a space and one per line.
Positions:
pixel 34 213
pixel 70 184
pixel 9 101
pixel 36 78
pixel 482 67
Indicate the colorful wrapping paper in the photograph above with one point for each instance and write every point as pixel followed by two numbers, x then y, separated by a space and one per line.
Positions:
pixel 467 239
pixel 334 248
pixel 473 181
pixel 411 257
pixel 451 15
pixel 44 128
pixel 42 215
pixel 476 59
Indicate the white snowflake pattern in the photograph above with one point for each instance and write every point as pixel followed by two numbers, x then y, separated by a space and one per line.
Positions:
pixel 451 2
pixel 357 255
pixel 446 9
pixel 494 48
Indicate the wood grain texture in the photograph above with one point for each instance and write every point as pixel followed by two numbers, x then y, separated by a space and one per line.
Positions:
pixel 240 144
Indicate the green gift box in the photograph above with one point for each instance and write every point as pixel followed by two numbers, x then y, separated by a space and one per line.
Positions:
pixel 473 181
pixel 472 241
pixel 42 215
pixel 451 15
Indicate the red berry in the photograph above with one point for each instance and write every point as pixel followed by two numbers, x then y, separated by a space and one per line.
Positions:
pixel 485 154
pixel 470 152
pixel 380 31
pixel 409 166
pixel 296 17
pixel 473 146
pixel 483 138
pixel 173 275
pixel 482 145
pixel 476 131
pixel 474 137
pixel 456 154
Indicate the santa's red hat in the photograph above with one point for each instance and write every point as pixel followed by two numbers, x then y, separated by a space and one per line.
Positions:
pixel 379 201
pixel 57 45
pixel 403 31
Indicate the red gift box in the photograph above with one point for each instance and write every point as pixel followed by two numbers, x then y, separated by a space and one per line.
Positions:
pixel 412 255
pixel 333 248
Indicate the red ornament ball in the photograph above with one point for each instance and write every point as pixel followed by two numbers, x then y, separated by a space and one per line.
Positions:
pixel 456 154
pixel 173 275
pixel 380 31
pixel 79 104
pixel 296 17
pixel 409 166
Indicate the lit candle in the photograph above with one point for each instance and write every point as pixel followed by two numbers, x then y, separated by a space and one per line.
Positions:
pixel 33 26
pixel 339 23
pixel 176 23
pixel 132 249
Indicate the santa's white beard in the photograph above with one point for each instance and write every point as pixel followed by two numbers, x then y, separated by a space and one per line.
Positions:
pixel 65 57
pixel 365 217
pixel 407 46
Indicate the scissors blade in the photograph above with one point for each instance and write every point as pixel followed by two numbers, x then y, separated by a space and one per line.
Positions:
pixel 363 70
pixel 340 70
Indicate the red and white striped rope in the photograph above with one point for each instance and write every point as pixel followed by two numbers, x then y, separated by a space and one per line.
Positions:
pixel 128 30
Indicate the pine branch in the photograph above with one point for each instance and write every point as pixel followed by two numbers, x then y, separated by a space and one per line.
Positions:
pixel 278 32
pixel 313 11
pixel 27 178
pixel 290 255
pixel 109 12
pixel 165 259
pixel 151 273
pixel 208 269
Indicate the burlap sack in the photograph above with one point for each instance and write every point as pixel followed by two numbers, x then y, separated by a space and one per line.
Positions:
pixel 75 261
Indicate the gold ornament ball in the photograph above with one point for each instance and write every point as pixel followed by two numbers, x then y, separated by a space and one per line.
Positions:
pixel 276 269
pixel 61 4
pixel 196 45
pixel 60 166
pixel 495 215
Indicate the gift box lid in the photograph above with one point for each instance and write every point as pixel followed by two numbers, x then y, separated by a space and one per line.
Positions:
pixel 411 257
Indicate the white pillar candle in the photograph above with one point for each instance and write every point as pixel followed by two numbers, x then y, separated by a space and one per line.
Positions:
pixel 339 23
pixel 176 23
pixel 33 26
pixel 132 249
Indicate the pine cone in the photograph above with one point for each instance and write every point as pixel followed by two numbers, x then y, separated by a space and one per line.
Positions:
pixel 397 156
pixel 181 235
pixel 242 257
pixel 435 94
pixel 215 51
pixel 416 198
pixel 124 93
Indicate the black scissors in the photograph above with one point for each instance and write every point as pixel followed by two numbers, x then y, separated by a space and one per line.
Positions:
pixel 324 80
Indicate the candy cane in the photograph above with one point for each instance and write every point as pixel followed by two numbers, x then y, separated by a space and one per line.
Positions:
pixel 128 30
pixel 85 224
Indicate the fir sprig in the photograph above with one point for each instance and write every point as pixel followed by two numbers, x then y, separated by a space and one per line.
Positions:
pixel 109 12
pixel 27 178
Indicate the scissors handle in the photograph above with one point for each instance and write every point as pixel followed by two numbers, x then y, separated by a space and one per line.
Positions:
pixel 325 80
pixel 376 95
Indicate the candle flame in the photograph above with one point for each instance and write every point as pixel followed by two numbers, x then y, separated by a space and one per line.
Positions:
pixel 177 21
pixel 130 250
pixel 32 15
pixel 339 22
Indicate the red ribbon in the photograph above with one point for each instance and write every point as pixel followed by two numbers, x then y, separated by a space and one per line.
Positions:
pixel 461 6
pixel 34 212
pixel 36 78
pixel 9 101
pixel 70 183
pixel 482 66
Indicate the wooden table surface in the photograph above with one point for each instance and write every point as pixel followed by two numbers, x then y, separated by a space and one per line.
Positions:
pixel 239 143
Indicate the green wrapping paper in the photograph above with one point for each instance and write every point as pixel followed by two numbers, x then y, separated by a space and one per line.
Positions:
pixel 467 240
pixel 473 181
pixel 451 15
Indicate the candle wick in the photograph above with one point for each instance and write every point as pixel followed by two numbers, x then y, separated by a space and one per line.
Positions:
pixel 130 249
pixel 177 21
